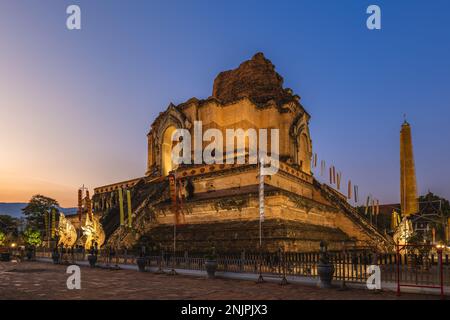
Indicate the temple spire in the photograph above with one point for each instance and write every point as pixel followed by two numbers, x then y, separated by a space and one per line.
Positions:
pixel 408 185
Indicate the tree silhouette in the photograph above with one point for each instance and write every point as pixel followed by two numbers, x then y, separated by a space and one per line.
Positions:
pixel 35 210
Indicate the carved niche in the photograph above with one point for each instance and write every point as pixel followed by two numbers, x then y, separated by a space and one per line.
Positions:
pixel 301 146
pixel 172 117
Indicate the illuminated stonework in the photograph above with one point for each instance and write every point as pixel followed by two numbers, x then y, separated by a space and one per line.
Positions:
pixel 403 232
pixel 166 151
pixel 66 232
pixel 93 232
pixel 221 202
pixel 408 184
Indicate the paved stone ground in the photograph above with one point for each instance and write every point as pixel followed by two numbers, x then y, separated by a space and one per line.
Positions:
pixel 38 280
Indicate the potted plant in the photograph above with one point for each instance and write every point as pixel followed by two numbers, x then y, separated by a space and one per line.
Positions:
pixel 211 263
pixel 55 256
pixel 92 257
pixel 5 255
pixel 141 261
pixel 325 269
pixel 29 252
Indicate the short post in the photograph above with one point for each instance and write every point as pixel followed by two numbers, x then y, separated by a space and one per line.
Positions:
pixel 260 278
pixel 441 273
pixel 375 262
pixel 398 269
pixel 325 267
pixel 160 270
pixel 343 261
pixel 283 260
pixel 172 272
pixel 261 215
pixel 141 261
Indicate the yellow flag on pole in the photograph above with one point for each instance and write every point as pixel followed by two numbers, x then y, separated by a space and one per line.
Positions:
pixel 46 223
pixel 349 191
pixel 53 222
pixel 338 180
pixel 334 175
pixel 366 211
pixel 122 217
pixel 129 207
pixel 448 231
pixel 331 175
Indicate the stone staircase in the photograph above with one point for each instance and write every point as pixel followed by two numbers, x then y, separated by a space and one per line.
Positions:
pixel 379 240
pixel 144 196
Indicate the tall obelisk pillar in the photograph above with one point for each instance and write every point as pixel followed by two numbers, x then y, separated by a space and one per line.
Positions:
pixel 408 185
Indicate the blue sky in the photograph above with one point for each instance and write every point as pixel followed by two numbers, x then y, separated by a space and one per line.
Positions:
pixel 75 106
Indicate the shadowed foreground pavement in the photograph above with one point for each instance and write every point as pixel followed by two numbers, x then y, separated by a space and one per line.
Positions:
pixel 37 280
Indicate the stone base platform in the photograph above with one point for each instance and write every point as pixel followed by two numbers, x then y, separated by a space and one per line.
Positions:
pixel 235 236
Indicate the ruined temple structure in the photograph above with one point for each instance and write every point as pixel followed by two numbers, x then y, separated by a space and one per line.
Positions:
pixel 221 204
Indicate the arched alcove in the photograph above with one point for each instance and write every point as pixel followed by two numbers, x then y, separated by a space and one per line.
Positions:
pixel 166 151
pixel 304 154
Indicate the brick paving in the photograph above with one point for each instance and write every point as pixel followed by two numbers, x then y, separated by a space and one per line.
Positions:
pixel 39 280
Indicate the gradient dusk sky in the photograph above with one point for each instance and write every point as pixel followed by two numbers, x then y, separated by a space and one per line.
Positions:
pixel 75 106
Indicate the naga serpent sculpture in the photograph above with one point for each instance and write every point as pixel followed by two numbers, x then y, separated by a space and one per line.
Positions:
pixel 66 232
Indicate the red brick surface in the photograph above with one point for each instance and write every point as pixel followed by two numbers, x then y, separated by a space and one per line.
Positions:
pixel 36 280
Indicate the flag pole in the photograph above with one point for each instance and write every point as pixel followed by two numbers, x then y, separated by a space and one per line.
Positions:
pixel 175 203
pixel 173 272
pixel 261 216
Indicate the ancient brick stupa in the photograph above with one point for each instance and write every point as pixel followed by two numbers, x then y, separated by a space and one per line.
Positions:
pixel 220 207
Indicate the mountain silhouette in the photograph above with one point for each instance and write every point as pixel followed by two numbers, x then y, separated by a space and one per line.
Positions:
pixel 15 209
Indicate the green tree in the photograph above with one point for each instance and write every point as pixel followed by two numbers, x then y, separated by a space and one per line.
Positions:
pixel 32 237
pixel 9 225
pixel 35 210
pixel 444 206
pixel 2 238
pixel 444 203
